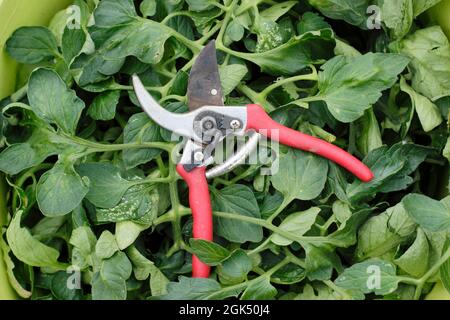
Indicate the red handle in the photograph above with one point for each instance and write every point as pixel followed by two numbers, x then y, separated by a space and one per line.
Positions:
pixel 258 119
pixel 200 203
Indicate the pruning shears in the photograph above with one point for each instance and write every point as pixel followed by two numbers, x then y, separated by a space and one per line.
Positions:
pixel 208 122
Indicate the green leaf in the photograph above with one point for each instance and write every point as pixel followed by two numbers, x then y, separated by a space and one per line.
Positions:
pixel 446 151
pixel 319 291
pixel 421 6
pixel 74 42
pixel 231 76
pixel 351 11
pixel 197 289
pixel 10 266
pixel 269 36
pixel 260 289
pixel 199 5
pixel 209 252
pixel 429 114
pixel 437 242
pixel 127 232
pixel 429 50
pixel 139 129
pixel 301 175
pixel 415 260
pixel 180 84
pixel 60 190
pixel 32 45
pixel 240 200
pixel 142 268
pixel 398 16
pixel 133 31
pixel 110 282
pixel 430 214
pixel 53 101
pixel 311 22
pixel 345 235
pixel 320 261
pixel 60 289
pixel 374 275
pixel 337 181
pixel 107 187
pixel 28 249
pixel 296 223
pixel 235 31
pixel 49 226
pixel 341 211
pixel 148 8
pixel 19 157
pixel 384 232
pixel 270 204
pixel 138 204
pixel 235 267
pixel 294 55
pixel 391 168
pixel 274 12
pixel 444 270
pixel 369 132
pixel 83 239
pixel 289 274
pixel 104 106
pixel 350 85
pixel 119 33
pixel 106 245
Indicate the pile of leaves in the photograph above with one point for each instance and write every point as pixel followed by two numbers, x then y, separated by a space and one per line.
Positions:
pixel 96 209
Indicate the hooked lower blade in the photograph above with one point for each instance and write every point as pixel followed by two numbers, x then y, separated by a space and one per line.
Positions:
pixel 204 87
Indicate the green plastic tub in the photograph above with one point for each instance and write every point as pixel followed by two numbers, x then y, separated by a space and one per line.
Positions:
pixel 17 13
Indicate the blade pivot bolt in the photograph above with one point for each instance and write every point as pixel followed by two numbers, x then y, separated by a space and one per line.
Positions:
pixel 214 92
pixel 198 156
pixel 235 124
pixel 208 125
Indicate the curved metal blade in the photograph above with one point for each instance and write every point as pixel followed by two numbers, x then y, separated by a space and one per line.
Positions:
pixel 178 123
pixel 204 87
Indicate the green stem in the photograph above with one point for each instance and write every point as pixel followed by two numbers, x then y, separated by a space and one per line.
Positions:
pixel 19 94
pixel 240 286
pixel 131 88
pixel 248 5
pixel 293 258
pixel 260 222
pixel 304 77
pixel 161 166
pixel 173 97
pixel 284 204
pixel 176 215
pixel 220 6
pixel 431 272
pixel 323 228
pixel 255 97
pixel 192 45
pixel 226 20
pixel 173 15
pixel 210 33
pixel 251 170
pixel 337 289
pixel 261 247
pixel 101 147
pixel 28 174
